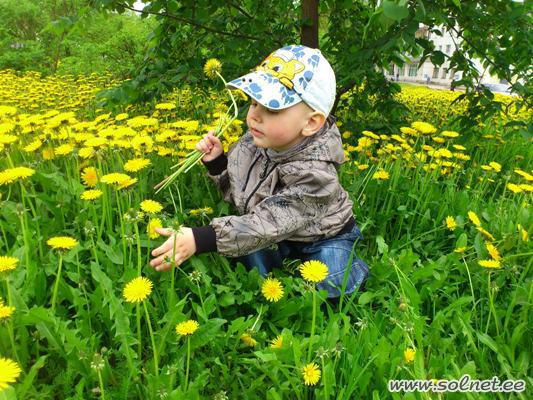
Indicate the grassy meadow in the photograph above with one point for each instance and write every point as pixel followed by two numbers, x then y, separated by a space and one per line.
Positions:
pixel 446 215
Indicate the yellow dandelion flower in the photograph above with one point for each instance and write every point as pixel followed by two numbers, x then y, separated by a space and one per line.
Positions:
pixel 86 152
pixel 91 194
pixel 409 131
pixel 272 289
pixel 314 271
pixel 459 147
pixel 381 175
pixel 151 206
pixel 277 343
pixel 187 327
pixel 62 242
pixel 136 164
pixel 5 311
pixel 31 147
pixel 493 251
pixel 450 134
pixel 12 174
pixel 514 188
pixel 48 154
pixel 346 135
pixel 9 372
pixel 526 188
pixel 89 176
pixel 248 340
pixel 165 106
pixel 150 229
pixel 460 250
pixel 474 218
pixel 451 224
pixel 212 67
pixel 137 290
pixel 524 174
pixel 490 263
pixel 409 354
pixel 121 117
pixel 64 149
pixel 495 166
pixel 486 168
pixel 8 263
pixel 362 167
pixel 370 134
pixel 423 127
pixel 127 183
pixel 485 232
pixel 311 374
pixel 114 178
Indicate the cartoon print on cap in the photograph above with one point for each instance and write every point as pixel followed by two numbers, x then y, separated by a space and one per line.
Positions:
pixel 281 69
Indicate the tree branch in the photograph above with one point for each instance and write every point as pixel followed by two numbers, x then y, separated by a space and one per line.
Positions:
pixel 194 23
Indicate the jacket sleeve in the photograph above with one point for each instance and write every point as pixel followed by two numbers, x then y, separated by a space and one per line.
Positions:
pixel 304 197
pixel 217 171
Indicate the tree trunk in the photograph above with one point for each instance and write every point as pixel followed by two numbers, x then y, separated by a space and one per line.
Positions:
pixel 309 30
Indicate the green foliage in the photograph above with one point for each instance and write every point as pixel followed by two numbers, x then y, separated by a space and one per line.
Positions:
pixel 69 38
pixel 361 39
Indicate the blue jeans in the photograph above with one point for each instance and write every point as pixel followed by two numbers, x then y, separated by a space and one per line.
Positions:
pixel 334 252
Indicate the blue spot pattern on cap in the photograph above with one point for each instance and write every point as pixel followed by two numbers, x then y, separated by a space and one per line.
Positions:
pixel 313 60
pixel 273 103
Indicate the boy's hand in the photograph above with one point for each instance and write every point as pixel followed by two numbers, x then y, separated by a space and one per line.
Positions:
pixel 211 146
pixel 185 246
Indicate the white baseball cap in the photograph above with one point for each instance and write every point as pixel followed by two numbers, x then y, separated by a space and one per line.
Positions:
pixel 288 76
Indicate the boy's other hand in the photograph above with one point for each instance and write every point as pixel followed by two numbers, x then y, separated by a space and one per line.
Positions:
pixel 211 146
pixel 184 243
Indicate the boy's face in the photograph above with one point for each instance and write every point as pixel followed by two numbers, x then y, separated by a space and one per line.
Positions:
pixel 278 129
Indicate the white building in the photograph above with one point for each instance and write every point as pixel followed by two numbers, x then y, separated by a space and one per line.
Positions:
pixel 436 75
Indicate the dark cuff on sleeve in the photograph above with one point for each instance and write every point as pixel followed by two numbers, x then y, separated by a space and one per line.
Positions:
pixel 205 239
pixel 217 165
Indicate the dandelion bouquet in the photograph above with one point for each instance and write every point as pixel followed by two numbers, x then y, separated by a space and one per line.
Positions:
pixel 212 69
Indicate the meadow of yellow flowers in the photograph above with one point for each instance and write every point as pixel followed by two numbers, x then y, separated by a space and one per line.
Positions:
pixel 446 215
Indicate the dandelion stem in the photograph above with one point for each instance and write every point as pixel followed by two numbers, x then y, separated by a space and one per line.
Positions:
pixel 326 393
pixel 154 348
pixel 138 312
pixel 188 362
pixel 139 256
pixel 312 327
pixel 56 284
pixel 101 382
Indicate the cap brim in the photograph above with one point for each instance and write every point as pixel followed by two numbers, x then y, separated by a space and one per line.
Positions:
pixel 266 89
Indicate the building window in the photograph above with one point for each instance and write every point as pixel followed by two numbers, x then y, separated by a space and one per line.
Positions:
pixel 452 73
pixel 413 69
pixel 435 73
pixel 440 47
pixel 448 48
pixel 444 72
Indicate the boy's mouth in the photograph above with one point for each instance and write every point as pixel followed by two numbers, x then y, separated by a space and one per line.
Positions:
pixel 255 132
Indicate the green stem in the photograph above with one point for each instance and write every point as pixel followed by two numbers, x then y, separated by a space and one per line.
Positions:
pixel 101 382
pixel 10 324
pixel 154 348
pixel 56 285
pixel 139 349
pixel 188 361
pixel 312 327
pixel 139 256
pixel 326 393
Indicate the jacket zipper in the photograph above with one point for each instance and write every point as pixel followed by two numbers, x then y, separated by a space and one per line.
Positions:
pixel 263 176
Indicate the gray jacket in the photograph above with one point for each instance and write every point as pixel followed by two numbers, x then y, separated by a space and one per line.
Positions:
pixel 291 195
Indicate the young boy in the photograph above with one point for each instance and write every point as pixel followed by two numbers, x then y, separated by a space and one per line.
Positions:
pixel 282 177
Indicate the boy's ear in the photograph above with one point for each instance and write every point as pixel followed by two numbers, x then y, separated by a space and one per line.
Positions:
pixel 314 123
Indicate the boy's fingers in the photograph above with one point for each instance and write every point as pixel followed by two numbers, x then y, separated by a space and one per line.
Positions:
pixel 164 231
